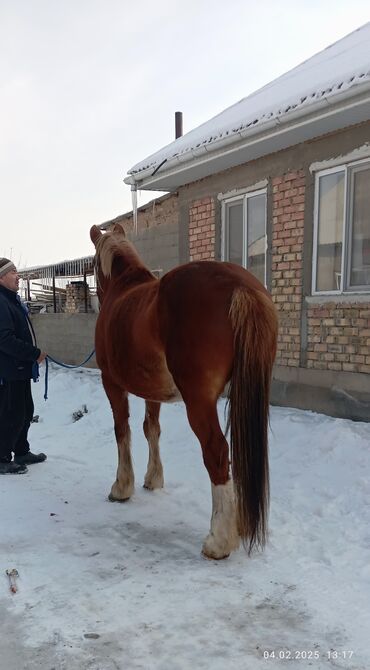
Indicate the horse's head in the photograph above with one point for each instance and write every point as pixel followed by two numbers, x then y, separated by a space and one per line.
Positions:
pixel 106 245
pixel 115 257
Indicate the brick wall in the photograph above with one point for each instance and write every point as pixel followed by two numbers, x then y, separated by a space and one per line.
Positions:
pixel 158 246
pixel 163 210
pixel 339 337
pixel 287 264
pixel 202 230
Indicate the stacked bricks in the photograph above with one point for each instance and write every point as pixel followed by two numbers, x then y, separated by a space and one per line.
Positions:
pixel 75 297
pixel 339 337
pixel 287 264
pixel 202 230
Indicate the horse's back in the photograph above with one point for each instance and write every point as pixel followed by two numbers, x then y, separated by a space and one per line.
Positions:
pixel 209 278
pixel 161 337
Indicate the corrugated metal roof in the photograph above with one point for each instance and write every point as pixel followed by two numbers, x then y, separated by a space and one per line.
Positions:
pixel 69 268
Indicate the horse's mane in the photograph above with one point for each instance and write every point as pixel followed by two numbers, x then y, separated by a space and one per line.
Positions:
pixel 112 245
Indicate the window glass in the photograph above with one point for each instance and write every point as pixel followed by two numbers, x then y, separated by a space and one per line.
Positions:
pixel 245 233
pixel 330 232
pixel 360 247
pixel 256 223
pixel 235 232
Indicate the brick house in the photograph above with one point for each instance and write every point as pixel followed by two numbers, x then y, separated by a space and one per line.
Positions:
pixel 280 183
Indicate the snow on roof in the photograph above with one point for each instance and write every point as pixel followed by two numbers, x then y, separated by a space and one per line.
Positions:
pixel 341 66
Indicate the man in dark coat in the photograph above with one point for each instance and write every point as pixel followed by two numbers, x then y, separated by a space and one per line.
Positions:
pixel 18 355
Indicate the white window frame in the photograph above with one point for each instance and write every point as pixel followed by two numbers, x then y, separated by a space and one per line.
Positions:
pixel 343 287
pixel 242 198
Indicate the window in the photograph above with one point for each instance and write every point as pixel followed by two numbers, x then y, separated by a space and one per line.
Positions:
pixel 342 230
pixel 244 232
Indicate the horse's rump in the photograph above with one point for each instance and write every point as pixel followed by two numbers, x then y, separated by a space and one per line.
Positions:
pixel 194 303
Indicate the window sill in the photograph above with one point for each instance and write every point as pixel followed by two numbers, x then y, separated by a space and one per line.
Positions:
pixel 321 298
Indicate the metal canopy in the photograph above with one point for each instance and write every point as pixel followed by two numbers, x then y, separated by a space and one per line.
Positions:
pixel 78 267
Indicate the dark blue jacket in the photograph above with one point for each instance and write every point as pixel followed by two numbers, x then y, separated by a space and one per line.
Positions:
pixel 17 352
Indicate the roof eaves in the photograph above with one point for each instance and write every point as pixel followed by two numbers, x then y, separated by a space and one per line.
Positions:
pixel 278 115
pixel 326 102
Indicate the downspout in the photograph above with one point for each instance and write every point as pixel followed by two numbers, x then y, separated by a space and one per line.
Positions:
pixel 134 204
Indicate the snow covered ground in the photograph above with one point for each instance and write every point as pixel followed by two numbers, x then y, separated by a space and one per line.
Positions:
pixel 106 586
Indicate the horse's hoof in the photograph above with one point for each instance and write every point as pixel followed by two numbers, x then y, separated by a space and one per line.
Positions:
pixel 214 558
pixel 120 500
pixel 153 483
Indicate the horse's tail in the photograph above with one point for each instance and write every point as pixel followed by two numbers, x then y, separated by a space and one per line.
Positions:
pixel 254 323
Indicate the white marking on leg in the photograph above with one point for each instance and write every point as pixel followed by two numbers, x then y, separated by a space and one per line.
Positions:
pixel 123 487
pixel 154 474
pixel 223 537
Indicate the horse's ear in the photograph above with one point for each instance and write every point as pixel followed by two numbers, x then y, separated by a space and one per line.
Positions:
pixel 95 234
pixel 119 229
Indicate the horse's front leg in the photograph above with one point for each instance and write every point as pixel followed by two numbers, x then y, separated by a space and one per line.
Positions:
pixel 154 474
pixel 123 487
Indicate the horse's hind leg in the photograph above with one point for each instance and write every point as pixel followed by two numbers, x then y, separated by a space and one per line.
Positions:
pixel 123 487
pixel 223 536
pixel 154 474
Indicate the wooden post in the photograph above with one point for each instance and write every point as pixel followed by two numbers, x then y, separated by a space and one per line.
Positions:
pixel 54 296
pixel 85 292
pixel 28 290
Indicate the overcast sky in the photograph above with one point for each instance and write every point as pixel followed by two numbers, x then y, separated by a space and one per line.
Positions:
pixel 90 87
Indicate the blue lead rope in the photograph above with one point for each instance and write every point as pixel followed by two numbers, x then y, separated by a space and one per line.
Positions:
pixel 63 365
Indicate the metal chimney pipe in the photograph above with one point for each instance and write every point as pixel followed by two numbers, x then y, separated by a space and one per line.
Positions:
pixel 178 125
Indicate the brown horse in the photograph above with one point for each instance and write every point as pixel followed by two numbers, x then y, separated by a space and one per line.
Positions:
pixel 185 336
